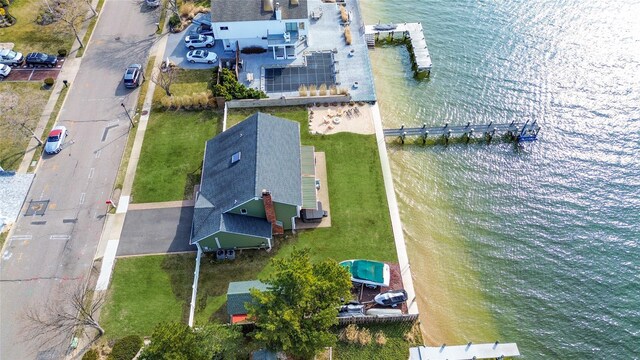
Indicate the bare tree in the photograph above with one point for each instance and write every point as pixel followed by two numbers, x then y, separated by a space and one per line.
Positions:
pixel 55 320
pixel 164 75
pixel 11 108
pixel 71 14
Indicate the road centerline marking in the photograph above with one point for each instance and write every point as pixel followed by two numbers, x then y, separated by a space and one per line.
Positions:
pixel 91 172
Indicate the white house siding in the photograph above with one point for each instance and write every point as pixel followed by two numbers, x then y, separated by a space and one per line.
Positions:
pixel 251 33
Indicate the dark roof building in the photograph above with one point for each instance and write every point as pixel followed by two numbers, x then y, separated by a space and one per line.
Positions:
pixel 251 172
pixel 254 10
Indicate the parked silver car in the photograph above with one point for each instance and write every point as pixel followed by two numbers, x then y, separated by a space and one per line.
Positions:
pixel 10 57
pixel 198 41
pixel 202 56
pixel 55 140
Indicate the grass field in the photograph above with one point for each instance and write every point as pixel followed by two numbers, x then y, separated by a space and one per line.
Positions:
pixel 28 36
pixel 360 226
pixel 145 291
pixel 172 152
pixel 20 103
pixel 187 82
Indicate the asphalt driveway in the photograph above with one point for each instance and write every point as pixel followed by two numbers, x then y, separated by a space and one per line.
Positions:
pixel 156 231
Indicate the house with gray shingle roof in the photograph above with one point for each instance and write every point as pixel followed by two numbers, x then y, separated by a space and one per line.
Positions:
pixel 275 25
pixel 251 186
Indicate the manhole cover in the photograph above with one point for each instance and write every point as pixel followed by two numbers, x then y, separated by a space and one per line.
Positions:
pixel 37 207
pixel 145 112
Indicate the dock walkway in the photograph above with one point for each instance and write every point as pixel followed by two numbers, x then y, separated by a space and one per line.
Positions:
pixel 411 31
pixel 469 351
pixel 517 131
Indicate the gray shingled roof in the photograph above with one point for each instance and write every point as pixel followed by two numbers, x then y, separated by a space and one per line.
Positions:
pixel 239 293
pixel 270 159
pixel 251 10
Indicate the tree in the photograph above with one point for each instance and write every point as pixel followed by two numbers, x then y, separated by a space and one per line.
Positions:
pixel 56 320
pixel 296 313
pixel 164 75
pixel 71 14
pixel 177 341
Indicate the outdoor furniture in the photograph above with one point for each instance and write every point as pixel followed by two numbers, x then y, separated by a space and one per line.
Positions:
pixel 331 113
pixel 336 120
pixel 316 14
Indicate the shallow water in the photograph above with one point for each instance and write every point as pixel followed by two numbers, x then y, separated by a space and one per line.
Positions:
pixel 538 245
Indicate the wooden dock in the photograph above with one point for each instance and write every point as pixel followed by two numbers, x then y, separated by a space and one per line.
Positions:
pixel 515 131
pixel 460 352
pixel 407 31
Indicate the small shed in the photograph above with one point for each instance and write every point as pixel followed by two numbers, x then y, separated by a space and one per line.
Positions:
pixel 238 294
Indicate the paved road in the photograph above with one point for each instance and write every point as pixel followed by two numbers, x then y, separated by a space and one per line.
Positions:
pixel 156 231
pixel 53 252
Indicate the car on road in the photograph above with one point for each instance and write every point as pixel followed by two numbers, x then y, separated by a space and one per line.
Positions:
pixel 56 138
pixel 202 56
pixel 41 59
pixel 132 76
pixel 4 71
pixel 152 3
pixel 391 298
pixel 10 57
pixel 198 41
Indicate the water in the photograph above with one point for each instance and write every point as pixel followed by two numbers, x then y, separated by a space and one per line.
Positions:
pixel 539 245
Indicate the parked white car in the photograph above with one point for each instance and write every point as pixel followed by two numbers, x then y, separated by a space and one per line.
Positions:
pixel 198 41
pixel 4 71
pixel 202 56
pixel 152 3
pixel 55 140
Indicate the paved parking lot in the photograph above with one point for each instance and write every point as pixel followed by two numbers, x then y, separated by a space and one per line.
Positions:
pixel 24 73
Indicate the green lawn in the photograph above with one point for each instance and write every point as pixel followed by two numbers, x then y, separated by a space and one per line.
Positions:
pixel 187 82
pixel 29 36
pixel 145 291
pixel 171 158
pixel 360 220
pixel 21 103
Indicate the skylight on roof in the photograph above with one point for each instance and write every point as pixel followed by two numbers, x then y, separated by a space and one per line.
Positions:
pixel 236 157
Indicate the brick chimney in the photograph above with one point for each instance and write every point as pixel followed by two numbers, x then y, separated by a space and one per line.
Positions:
pixel 270 210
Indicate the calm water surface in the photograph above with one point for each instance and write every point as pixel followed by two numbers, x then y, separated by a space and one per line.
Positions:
pixel 539 245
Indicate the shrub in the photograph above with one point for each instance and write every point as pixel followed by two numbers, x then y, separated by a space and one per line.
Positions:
pixel 344 14
pixel 166 102
pixel 91 355
pixel 229 88
pixel 343 91
pixel 323 90
pixel 174 20
pixel 186 9
pixel 333 90
pixel 350 334
pixel 126 348
pixel 364 336
pixel 381 339
pixel 253 50
pixel 302 90
pixel 49 81
pixel 313 90
pixel 62 52
pixel 347 35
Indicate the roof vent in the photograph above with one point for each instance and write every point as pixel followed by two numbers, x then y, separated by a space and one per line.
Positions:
pixel 236 157
pixel 267 5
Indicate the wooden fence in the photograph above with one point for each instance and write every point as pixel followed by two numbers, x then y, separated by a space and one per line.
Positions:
pixel 377 319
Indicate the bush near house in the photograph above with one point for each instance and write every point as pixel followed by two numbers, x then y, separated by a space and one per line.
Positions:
pixel 228 87
pixel 126 348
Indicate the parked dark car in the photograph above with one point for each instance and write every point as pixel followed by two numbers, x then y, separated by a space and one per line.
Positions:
pixel 351 310
pixel 41 59
pixel 391 298
pixel 132 76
